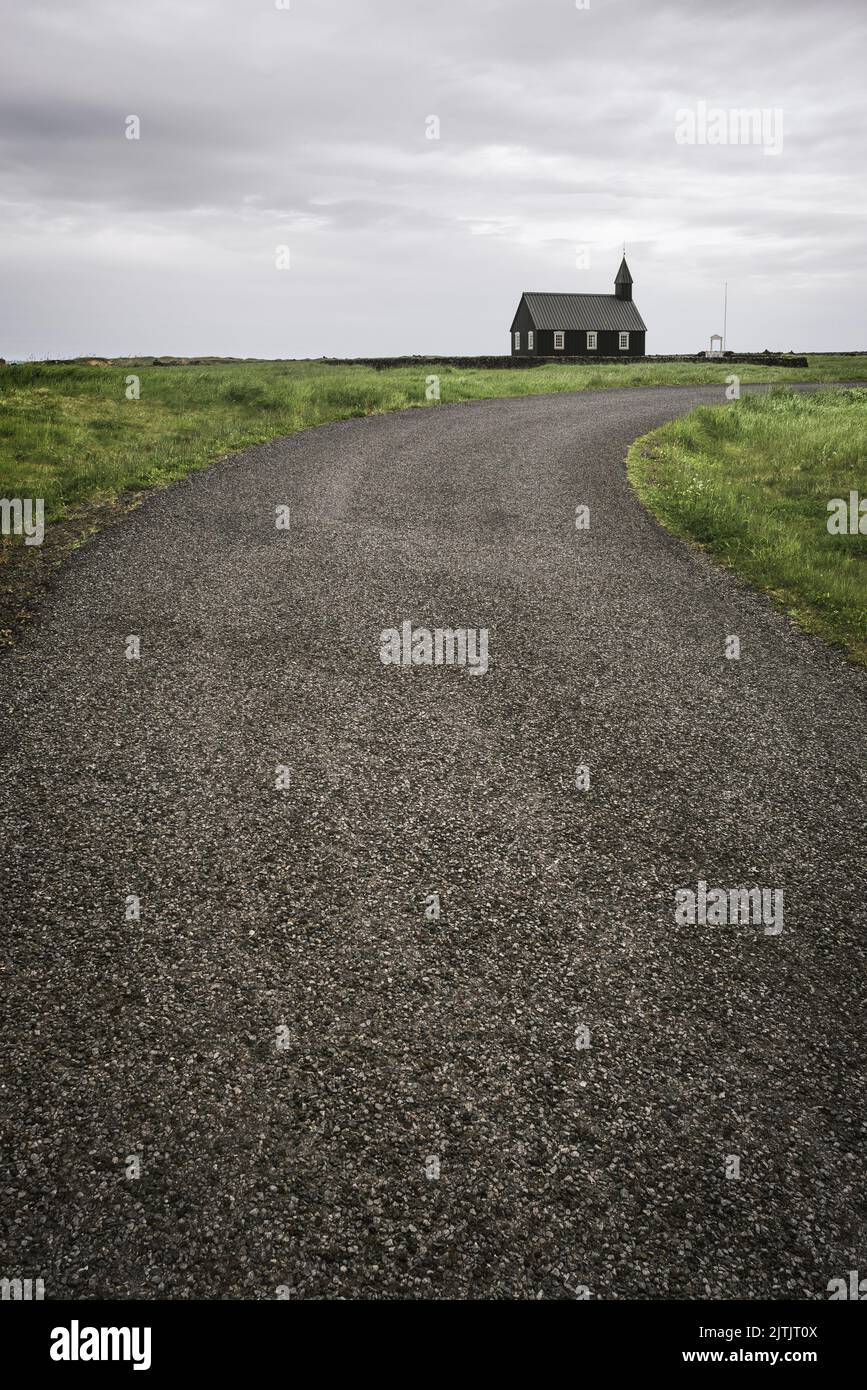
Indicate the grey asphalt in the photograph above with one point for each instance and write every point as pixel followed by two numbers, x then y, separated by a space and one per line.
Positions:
pixel 301 1167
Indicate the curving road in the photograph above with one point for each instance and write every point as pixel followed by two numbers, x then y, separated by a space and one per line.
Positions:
pixel 284 1037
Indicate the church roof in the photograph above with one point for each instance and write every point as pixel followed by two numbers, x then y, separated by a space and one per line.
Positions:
pixel 597 312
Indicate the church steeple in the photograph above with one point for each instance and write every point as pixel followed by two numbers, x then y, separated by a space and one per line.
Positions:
pixel 623 280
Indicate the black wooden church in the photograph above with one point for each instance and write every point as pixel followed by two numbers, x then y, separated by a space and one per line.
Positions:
pixel 580 325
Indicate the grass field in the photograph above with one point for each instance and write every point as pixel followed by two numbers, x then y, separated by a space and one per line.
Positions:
pixel 750 482
pixel 69 434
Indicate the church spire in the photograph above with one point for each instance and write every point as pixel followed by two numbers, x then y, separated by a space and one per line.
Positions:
pixel 623 280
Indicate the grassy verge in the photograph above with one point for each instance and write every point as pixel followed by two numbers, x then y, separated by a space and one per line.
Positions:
pixel 69 433
pixel 750 482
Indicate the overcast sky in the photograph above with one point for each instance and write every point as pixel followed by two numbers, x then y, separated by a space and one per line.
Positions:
pixel 307 127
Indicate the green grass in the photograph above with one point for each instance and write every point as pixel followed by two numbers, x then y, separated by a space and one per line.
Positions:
pixel 68 433
pixel 750 482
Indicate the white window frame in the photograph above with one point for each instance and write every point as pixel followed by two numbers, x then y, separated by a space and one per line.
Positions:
pixel 591 342
pixel 529 340
pixel 517 336
pixel 559 339
pixel 624 342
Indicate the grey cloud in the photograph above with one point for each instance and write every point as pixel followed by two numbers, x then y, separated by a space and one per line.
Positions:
pixel 557 128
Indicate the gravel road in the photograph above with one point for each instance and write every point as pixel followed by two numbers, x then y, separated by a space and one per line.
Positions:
pixel 285 1039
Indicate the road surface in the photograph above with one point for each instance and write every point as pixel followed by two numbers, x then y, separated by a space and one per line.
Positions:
pixel 286 1045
